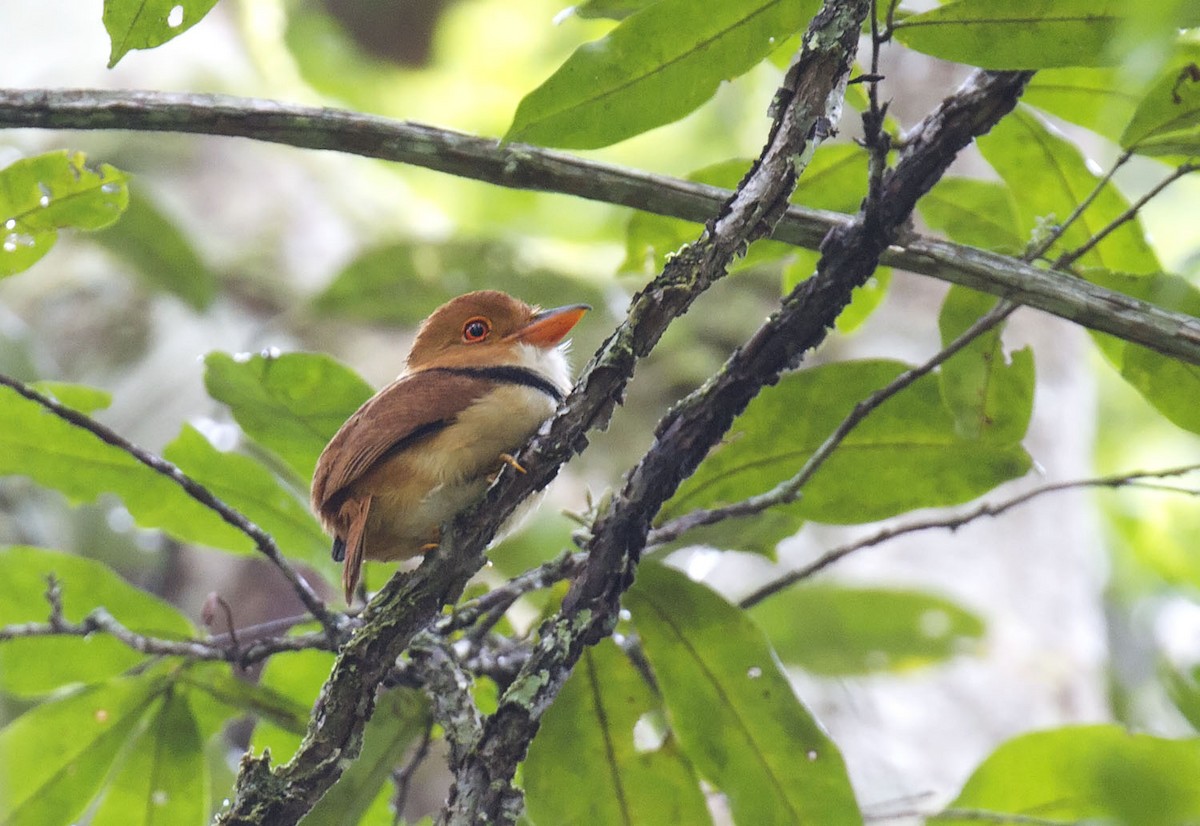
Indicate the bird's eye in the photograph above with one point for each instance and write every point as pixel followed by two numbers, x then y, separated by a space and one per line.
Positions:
pixel 476 329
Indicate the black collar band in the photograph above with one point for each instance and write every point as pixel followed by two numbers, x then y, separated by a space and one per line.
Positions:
pixel 510 374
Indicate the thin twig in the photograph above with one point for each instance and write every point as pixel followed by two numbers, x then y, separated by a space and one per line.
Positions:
pixel 448 687
pixel 403 775
pixel 332 622
pixel 1069 258
pixel 1046 243
pixel 791 489
pixel 984 816
pixel 100 621
pixel 955 522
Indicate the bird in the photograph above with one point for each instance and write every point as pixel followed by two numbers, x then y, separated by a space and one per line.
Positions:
pixel 484 372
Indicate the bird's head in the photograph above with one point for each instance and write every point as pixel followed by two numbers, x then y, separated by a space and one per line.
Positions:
pixel 488 327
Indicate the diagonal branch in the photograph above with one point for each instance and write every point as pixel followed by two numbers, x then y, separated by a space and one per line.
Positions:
pixel 522 166
pixel 483 788
pixel 790 489
pixel 688 431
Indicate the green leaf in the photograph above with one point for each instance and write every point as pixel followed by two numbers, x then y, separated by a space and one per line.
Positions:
pixel 86 400
pixel 1100 99
pixel 297 676
pixel 611 9
pixel 73 461
pixel 906 454
pixel 1170 385
pixel 291 404
pixel 1053 178
pixel 54 757
pixel 733 708
pixel 144 24
pixel 163 779
pixel 1163 543
pixel 758 534
pixel 1167 120
pixel 834 179
pixel 1184 692
pixel 1028 34
pixel 244 484
pixel 1086 773
pixel 990 396
pixel 585 767
pixel 241 697
pixel 37 665
pixel 973 212
pixel 46 193
pixel 835 630
pixel 651 239
pixel 161 254
pixel 864 300
pixel 396 723
pixel 654 68
pixel 429 274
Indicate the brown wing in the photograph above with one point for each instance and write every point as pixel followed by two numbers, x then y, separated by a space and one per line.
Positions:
pixel 400 414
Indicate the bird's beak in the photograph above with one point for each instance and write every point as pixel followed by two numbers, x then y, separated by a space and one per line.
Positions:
pixel 549 327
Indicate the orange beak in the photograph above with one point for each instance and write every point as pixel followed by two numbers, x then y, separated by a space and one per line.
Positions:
pixel 549 327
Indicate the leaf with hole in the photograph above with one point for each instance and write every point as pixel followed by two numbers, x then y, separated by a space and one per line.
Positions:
pixel 46 193
pixel 145 24
pixel 592 764
pixel 733 708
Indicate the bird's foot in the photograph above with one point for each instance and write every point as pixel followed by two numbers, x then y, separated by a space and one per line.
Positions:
pixel 511 461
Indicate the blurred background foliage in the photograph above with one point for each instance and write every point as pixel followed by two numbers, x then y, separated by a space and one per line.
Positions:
pixel 230 257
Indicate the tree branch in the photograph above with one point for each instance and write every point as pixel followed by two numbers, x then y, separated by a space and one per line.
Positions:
pixel 408 602
pixel 686 433
pixel 332 622
pixel 483 790
pixel 99 620
pixel 1135 479
pixel 790 490
pixel 522 166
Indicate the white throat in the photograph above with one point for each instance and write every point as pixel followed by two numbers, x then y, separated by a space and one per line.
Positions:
pixel 550 363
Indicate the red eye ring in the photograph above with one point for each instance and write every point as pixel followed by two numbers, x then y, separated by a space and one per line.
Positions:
pixel 476 329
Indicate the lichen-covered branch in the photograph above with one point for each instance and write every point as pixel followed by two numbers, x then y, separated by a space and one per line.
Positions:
pixel 685 435
pixel 522 166
pixel 408 602
pixel 483 791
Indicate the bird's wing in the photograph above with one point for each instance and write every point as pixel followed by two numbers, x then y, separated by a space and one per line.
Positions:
pixel 407 410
